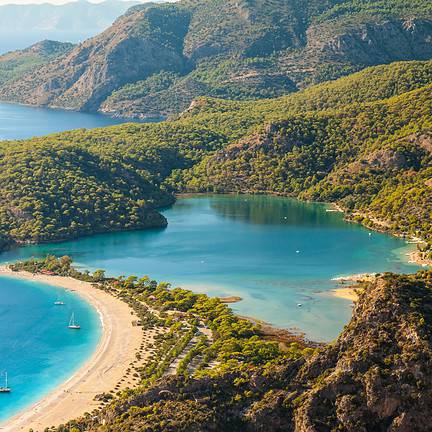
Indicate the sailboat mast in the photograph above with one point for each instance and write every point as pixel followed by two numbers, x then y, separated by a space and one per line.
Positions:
pixel 6 380
pixel 72 324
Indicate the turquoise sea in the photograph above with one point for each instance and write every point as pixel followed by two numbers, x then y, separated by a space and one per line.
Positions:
pixel 274 252
pixel 37 349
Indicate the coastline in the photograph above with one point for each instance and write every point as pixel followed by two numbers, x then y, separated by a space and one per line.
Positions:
pixel 351 293
pixel 283 336
pixel 105 369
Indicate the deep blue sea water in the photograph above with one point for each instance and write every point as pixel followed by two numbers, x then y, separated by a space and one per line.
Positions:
pixel 21 122
pixel 37 349
pixel 273 252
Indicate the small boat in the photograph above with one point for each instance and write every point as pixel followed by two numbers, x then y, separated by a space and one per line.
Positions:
pixel 5 389
pixel 58 302
pixel 72 325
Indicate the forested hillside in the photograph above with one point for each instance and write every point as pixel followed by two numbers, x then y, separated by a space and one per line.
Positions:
pixel 158 58
pixel 374 159
pixel 80 182
pixel 363 142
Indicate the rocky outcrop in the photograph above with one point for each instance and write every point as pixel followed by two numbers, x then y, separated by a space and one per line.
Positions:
pixel 376 375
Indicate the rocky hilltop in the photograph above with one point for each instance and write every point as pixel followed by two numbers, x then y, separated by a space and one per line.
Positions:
pixel 157 58
pixel 375 377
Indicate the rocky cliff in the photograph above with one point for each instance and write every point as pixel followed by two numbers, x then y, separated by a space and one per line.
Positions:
pixel 377 374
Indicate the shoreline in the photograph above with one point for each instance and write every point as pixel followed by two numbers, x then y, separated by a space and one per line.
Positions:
pixel 106 367
pixel 413 257
pixel 150 118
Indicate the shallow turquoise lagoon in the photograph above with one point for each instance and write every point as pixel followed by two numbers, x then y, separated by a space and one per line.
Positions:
pixel 274 252
pixel 37 349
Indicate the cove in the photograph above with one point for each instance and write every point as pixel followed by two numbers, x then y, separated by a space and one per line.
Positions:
pixel 37 349
pixel 22 122
pixel 273 252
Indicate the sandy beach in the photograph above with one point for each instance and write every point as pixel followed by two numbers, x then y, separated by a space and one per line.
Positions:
pixel 345 293
pixel 119 342
pixel 350 292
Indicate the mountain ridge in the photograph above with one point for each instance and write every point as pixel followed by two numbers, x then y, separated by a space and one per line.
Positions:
pixel 16 63
pixel 233 50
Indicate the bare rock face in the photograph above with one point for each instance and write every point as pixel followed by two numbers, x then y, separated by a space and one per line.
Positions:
pixel 376 43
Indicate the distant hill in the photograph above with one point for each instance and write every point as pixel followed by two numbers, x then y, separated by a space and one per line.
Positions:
pixel 158 58
pixel 24 25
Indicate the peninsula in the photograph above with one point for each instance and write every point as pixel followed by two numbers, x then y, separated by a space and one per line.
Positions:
pixel 321 101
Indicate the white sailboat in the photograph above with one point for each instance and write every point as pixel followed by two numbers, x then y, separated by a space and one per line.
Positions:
pixel 5 389
pixel 72 325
